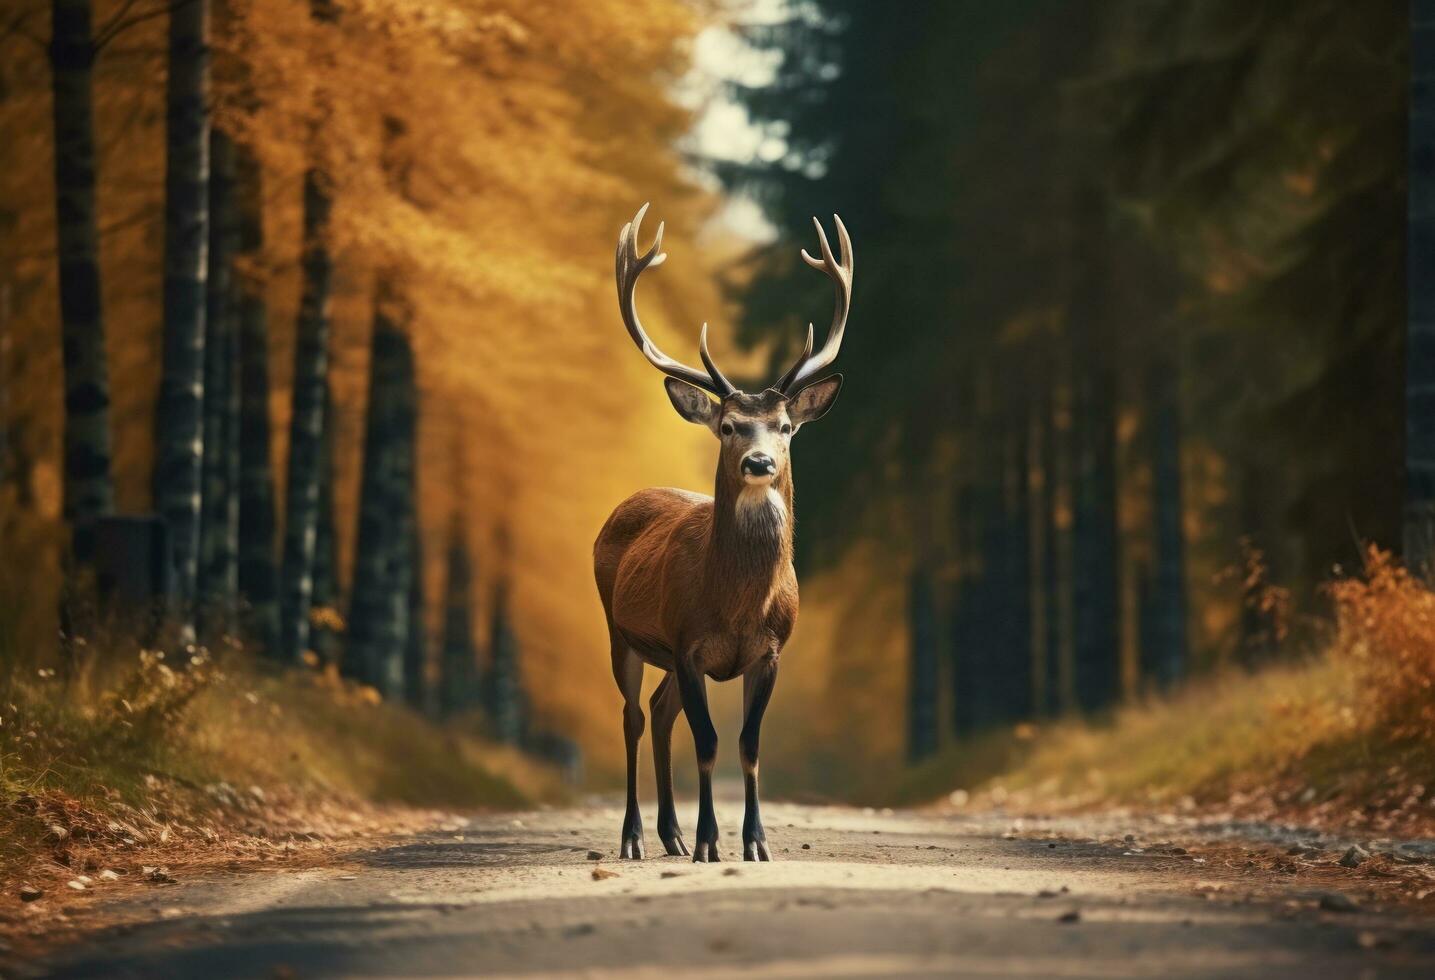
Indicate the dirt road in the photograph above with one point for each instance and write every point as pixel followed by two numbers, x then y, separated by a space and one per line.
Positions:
pixel 851 894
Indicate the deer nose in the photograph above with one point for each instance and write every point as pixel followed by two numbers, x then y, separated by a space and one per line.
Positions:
pixel 758 464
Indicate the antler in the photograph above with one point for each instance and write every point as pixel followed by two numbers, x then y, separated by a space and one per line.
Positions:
pixel 841 275
pixel 630 266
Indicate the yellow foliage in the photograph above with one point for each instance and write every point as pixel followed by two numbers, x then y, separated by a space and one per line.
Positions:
pixel 531 132
pixel 1386 633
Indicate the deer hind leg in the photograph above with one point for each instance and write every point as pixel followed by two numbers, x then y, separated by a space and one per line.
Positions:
pixel 693 687
pixel 665 706
pixel 757 685
pixel 628 672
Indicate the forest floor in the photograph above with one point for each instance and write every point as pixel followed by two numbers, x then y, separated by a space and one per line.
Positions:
pixel 158 776
pixel 852 892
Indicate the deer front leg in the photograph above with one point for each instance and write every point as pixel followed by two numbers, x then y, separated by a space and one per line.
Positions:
pixel 628 672
pixel 693 687
pixel 757 685
pixel 665 706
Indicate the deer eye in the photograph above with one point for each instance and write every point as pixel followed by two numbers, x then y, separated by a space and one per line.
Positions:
pixel 727 428
pixel 787 428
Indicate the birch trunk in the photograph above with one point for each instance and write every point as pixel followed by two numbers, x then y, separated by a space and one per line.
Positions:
pixel 180 431
pixel 376 619
pixel 89 490
pixel 218 568
pixel 306 430
pixel 258 576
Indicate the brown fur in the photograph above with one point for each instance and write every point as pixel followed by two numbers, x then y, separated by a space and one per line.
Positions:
pixel 704 586
pixel 684 571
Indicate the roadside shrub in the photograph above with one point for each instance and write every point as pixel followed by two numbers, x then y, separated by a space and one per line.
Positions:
pixel 1385 623
pixel 150 700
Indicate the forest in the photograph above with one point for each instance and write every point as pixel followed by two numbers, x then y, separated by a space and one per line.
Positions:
pixel 311 359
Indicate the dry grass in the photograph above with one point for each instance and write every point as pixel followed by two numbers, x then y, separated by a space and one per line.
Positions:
pixel 1345 737
pixel 153 758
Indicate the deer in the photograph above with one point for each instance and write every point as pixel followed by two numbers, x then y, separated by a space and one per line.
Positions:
pixel 703 586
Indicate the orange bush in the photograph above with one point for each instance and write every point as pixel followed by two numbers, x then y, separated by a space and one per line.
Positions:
pixel 1386 629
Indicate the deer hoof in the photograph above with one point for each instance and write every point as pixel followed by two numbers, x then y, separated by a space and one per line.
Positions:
pixel 632 849
pixel 706 852
pixel 756 850
pixel 675 845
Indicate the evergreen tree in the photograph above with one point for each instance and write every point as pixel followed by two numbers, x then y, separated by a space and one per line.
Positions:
pixel 923 687
pixel 1419 533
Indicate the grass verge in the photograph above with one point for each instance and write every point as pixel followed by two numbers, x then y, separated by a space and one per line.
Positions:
pixel 164 768
pixel 1345 738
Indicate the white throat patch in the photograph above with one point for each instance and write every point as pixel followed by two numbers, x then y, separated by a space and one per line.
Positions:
pixel 761 504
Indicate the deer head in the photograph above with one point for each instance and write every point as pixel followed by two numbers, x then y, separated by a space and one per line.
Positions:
pixel 755 429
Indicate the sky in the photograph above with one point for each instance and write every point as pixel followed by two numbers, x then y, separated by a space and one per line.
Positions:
pixel 723 128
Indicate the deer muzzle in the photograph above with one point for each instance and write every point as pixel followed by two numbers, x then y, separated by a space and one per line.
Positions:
pixel 758 467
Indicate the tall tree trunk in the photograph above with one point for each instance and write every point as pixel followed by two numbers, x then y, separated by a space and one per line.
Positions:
pixel 306 430
pixel 180 431
pixel 376 616
pixel 307 419
pixel 1054 542
pixel 1165 608
pixel 1015 658
pixel 89 489
pixel 965 607
pixel 326 600
pixel 218 531
pixel 457 660
pixel 4 387
pixel 504 697
pixel 402 562
pixel 258 577
pixel 981 631
pixel 1095 544
pixel 416 687
pixel 1419 531
pixel 923 673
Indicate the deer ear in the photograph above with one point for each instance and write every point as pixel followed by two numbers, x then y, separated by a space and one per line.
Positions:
pixel 692 403
pixel 812 402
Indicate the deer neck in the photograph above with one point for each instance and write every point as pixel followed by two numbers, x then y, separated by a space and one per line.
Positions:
pixel 751 540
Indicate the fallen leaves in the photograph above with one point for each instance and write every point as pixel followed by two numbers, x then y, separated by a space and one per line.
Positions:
pixel 602 874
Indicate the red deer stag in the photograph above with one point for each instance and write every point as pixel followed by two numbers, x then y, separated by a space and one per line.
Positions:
pixel 702 586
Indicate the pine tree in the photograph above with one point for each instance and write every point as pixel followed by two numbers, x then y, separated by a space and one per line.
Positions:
pixel 923 678
pixel 1419 531
pixel 1165 662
